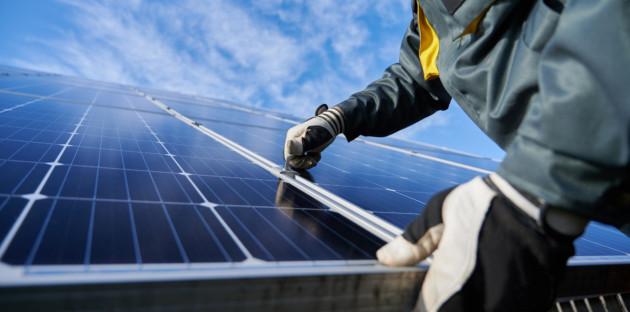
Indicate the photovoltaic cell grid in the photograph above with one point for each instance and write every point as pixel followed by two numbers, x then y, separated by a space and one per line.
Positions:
pixel 103 176
pixel 391 185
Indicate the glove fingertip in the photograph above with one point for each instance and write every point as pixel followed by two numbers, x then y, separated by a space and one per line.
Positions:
pixel 381 256
pixel 385 257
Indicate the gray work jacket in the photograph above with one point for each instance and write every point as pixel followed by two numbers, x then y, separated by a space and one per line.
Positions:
pixel 548 81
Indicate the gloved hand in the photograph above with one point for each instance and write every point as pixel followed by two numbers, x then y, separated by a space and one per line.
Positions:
pixel 491 251
pixel 306 141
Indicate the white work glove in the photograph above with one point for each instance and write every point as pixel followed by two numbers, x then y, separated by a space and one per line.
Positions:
pixel 307 140
pixel 401 252
pixel 491 251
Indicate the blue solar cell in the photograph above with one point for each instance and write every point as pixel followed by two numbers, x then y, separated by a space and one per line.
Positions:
pixel 216 190
pixel 195 165
pixel 44 124
pixel 588 248
pixel 32 179
pixel 322 176
pixel 156 162
pixel 155 234
pixel 599 239
pixel 5 130
pixel 286 228
pixel 10 208
pixel 21 246
pixel 128 144
pixel 255 195
pixel 55 180
pixel 287 196
pixel 9 147
pixel 9 120
pixel 392 181
pixel 226 245
pixel 143 187
pixel 247 170
pixel 295 234
pixel 262 239
pixel 88 142
pixel 10 84
pixel 43 89
pixel 347 240
pixel 65 238
pixel 81 156
pixel 13 173
pixel 170 189
pixel 218 168
pixel 378 200
pixel 53 137
pixel 441 153
pixel 110 143
pixel 399 219
pixel 112 236
pixel 133 160
pixel 198 238
pixel 109 184
pixel 109 158
pixel 39 152
pixel 78 182
pixel 149 147
pixel 218 113
pixel 58 126
pixel 75 94
pixel 25 134
pixel 422 197
pixel 188 189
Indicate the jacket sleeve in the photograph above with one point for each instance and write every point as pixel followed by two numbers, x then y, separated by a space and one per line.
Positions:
pixel 400 98
pixel 572 148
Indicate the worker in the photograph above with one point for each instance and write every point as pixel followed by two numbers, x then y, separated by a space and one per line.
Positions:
pixel 547 80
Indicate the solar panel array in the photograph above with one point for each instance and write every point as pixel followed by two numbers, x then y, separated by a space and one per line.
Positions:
pixel 390 178
pixel 108 181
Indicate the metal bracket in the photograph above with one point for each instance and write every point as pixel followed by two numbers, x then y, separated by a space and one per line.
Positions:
pixel 287 170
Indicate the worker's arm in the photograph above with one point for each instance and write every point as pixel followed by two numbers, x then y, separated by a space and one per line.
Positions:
pixel 572 148
pixel 400 98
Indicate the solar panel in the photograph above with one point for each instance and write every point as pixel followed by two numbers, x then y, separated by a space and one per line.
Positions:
pixel 110 178
pixel 105 182
pixel 390 178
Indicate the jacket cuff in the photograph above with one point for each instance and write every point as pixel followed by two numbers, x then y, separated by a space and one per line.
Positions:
pixel 351 112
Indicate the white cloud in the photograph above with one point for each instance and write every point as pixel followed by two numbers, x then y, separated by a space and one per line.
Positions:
pixel 278 54
pixel 393 10
pixel 289 55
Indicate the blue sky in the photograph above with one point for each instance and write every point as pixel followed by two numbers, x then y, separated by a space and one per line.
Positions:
pixel 285 55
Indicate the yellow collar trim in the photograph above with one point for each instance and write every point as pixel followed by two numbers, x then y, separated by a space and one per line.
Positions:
pixel 429 47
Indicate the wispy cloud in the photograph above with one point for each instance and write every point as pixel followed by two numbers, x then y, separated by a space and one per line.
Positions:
pixel 288 55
